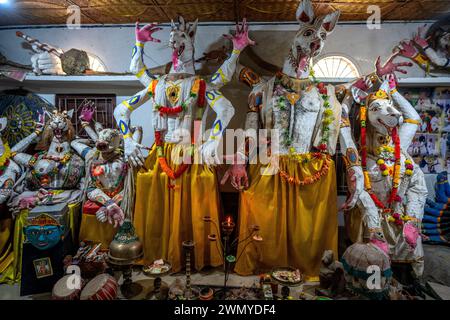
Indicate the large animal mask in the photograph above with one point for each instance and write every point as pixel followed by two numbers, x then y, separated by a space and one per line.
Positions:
pixel 310 37
pixel 59 126
pixel 108 139
pixel 181 41
pixel 381 113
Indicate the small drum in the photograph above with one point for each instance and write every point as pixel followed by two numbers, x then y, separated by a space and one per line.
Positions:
pixel 102 287
pixel 62 289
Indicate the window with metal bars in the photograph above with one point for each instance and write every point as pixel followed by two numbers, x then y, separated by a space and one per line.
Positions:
pixel 104 108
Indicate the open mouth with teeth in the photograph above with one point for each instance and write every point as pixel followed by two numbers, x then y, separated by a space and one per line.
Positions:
pixel 58 133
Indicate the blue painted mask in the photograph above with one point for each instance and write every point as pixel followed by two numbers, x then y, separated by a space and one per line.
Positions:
pixel 43 232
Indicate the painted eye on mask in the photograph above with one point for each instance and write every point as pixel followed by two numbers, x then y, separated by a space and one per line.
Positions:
pixel 308 33
pixel 323 35
pixel 183 35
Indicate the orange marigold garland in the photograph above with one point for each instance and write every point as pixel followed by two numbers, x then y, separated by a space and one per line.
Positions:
pixel 313 178
pixel 198 91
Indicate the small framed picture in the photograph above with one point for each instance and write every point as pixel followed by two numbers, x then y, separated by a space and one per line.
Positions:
pixel 43 267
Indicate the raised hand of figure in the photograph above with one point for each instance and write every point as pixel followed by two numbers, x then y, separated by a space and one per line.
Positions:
pixel 355 182
pixel 133 154
pixel 44 62
pixel 145 33
pixel 390 66
pixel 407 49
pixel 209 152
pixel 115 215
pixel 422 42
pixel 87 112
pixel 240 39
pixel 411 234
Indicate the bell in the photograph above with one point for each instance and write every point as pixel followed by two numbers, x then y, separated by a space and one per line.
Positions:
pixel 125 247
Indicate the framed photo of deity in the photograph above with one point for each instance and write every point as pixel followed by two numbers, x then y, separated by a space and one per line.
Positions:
pixel 43 267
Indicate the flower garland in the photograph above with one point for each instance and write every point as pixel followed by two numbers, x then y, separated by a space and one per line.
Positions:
pixel 198 91
pixel 313 178
pixel 293 97
pixel 328 116
pixel 393 197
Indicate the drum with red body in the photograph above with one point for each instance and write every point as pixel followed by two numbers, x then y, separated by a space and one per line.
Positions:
pixel 102 287
pixel 63 289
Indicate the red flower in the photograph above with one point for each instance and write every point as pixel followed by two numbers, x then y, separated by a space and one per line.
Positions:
pixel 322 146
pixel 383 167
pixel 396 216
pixel 98 171
pixel 321 87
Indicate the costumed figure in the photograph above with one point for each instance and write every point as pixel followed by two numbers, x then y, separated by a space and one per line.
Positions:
pixel 54 174
pixel 392 179
pixel 10 173
pixel 106 176
pixel 293 199
pixel 170 191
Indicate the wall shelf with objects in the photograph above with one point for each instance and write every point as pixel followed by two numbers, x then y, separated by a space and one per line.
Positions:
pixel 44 83
pixel 47 84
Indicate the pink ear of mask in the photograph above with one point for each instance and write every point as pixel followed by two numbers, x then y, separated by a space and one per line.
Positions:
pixel 411 233
pixel 382 245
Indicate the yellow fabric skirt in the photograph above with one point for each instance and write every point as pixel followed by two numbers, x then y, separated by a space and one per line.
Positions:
pixel 93 230
pixel 297 222
pixel 11 267
pixel 165 217
pixel 6 241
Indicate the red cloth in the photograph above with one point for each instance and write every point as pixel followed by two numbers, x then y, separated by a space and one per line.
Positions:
pixel 90 207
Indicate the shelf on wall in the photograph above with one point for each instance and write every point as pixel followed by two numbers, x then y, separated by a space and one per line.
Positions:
pixel 128 84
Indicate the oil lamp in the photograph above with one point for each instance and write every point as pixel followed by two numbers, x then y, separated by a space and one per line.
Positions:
pixel 227 228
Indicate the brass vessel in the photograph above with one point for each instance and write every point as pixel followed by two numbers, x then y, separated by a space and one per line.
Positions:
pixel 125 247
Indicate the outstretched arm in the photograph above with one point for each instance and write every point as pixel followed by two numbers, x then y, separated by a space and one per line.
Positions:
pixel 237 172
pixel 122 115
pixel 137 66
pixel 224 112
pixel 25 142
pixel 429 51
pixel 240 41
pixel 87 113
pixel 81 146
pixel 355 177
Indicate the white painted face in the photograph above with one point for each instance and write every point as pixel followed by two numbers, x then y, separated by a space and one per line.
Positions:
pixel 108 140
pixel 182 39
pixel 383 116
pixel 310 37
